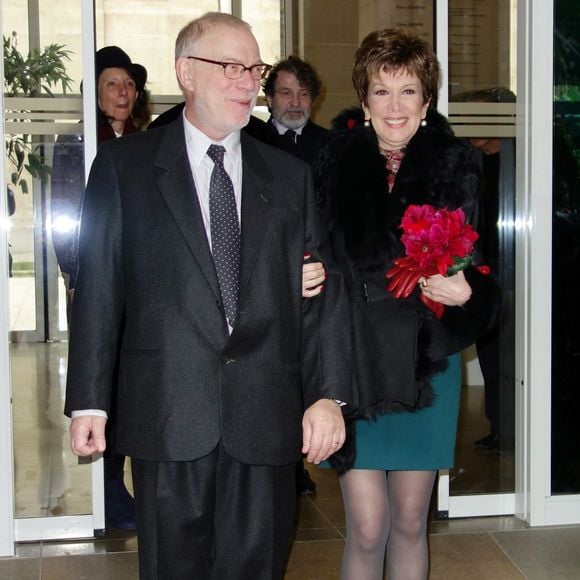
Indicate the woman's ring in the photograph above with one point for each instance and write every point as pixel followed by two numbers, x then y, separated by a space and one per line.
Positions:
pixel 335 443
pixel 424 283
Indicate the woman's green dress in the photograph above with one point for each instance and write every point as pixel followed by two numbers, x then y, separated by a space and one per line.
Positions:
pixel 422 440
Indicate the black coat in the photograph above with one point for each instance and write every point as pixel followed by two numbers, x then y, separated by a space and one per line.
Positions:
pixel 312 138
pixel 148 293
pixel 398 343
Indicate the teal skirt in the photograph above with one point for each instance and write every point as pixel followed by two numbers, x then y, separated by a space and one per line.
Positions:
pixel 421 440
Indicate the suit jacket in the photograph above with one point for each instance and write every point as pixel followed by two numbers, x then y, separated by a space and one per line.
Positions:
pixel 147 299
pixel 307 145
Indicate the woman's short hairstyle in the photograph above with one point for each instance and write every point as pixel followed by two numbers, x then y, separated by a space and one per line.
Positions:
pixel 191 33
pixel 393 50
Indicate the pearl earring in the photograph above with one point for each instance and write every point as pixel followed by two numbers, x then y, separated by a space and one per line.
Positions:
pixel 367 123
pixel 423 122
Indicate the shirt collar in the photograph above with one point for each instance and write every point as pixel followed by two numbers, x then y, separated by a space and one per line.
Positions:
pixel 282 128
pixel 198 143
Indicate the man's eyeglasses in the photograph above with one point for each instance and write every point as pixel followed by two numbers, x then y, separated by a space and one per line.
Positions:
pixel 235 70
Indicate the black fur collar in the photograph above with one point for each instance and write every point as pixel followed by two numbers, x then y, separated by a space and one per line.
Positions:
pixel 352 183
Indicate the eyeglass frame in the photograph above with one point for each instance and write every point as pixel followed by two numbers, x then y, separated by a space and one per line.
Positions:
pixel 265 68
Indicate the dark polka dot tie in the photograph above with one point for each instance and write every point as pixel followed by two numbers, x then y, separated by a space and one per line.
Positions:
pixel 225 232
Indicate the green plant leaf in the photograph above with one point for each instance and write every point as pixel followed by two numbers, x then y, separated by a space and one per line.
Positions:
pixel 40 71
pixel 20 155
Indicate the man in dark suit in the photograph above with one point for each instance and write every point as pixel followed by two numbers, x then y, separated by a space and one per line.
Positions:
pixel 291 88
pixel 218 355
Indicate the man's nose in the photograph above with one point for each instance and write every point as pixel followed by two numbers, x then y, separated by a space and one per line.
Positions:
pixel 247 81
pixel 295 100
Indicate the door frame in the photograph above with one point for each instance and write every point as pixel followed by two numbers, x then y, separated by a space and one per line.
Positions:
pixel 535 502
pixel 6 449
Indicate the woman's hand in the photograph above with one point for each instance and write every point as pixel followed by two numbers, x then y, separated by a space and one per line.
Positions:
pixel 451 290
pixel 312 277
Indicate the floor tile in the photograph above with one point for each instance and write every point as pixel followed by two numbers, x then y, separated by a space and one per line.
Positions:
pixel 542 554
pixel 477 470
pixel 317 534
pixel 468 525
pixel 20 569
pixel 310 516
pixel 332 509
pixel 326 482
pixel 469 557
pixel 315 561
pixel 98 567
pixel 86 548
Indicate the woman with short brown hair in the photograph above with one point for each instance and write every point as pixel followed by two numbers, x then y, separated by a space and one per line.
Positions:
pixel 394 152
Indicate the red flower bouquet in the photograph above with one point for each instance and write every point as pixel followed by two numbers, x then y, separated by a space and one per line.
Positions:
pixel 437 241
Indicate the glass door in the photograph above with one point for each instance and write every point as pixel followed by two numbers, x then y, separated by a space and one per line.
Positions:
pixel 55 495
pixel 478 41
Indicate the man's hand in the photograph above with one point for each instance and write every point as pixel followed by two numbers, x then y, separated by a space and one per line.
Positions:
pixel 87 435
pixel 323 430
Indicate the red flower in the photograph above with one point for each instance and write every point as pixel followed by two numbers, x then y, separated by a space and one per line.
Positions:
pixel 437 241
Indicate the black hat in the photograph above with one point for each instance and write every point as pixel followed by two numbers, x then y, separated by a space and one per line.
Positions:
pixel 115 57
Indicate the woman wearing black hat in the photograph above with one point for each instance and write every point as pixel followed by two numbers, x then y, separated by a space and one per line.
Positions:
pixel 122 108
pixel 120 83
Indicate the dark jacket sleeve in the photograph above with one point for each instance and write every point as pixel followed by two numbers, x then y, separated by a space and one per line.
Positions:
pixel 326 350
pixel 97 309
pixel 461 326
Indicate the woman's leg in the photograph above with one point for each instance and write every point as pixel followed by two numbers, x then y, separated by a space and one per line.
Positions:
pixel 364 494
pixel 409 494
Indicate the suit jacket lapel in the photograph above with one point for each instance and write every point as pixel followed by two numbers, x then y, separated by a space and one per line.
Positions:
pixel 178 189
pixel 256 207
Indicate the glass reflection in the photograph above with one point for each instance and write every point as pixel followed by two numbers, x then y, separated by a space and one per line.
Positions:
pixel 481 73
pixel 48 480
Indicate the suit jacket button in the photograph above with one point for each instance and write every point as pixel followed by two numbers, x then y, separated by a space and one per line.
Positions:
pixel 227 360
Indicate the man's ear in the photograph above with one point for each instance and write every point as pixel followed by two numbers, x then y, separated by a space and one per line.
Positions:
pixel 184 73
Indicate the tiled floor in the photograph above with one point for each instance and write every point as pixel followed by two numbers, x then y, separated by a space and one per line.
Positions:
pixel 474 549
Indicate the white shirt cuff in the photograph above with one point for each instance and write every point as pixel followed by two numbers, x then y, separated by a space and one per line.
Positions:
pixel 95 412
